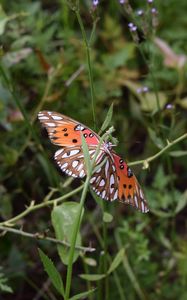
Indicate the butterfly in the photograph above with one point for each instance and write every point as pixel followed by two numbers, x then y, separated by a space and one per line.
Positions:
pixel 111 179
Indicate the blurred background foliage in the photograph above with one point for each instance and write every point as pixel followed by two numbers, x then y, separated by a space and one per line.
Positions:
pixel 43 66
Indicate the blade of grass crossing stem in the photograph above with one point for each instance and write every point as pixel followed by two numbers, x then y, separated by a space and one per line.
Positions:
pixel 52 272
pixel 107 119
pixel 117 260
pixel 82 295
pixel 86 155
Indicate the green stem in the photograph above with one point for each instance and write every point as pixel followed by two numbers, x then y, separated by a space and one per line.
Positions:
pixel 34 207
pixel 105 255
pixel 146 161
pixel 74 238
pixel 88 61
pixel 115 274
pixel 41 236
pixel 78 219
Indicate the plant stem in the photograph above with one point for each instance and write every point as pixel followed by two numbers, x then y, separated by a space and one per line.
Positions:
pixel 34 207
pixel 151 158
pixel 41 236
pixel 74 238
pixel 88 61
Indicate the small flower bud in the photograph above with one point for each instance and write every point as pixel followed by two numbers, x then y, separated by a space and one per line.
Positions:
pixel 95 3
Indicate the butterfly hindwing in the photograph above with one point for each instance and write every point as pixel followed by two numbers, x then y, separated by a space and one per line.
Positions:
pixel 64 131
pixel 71 160
pixel 129 190
pixel 104 179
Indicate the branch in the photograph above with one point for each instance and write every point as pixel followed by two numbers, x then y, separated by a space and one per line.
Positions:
pixel 33 207
pixel 39 236
pixel 146 161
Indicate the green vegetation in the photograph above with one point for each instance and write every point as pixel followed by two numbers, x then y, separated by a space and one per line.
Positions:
pixel 121 65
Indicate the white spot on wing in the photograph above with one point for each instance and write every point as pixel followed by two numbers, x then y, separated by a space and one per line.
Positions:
pixel 82 173
pixel 92 179
pixel 75 163
pixel 106 168
pixel 58 152
pixel 56 117
pixel 115 195
pixel 51 124
pixel 141 194
pixel 72 152
pixel 136 200
pixel 102 182
pixel 143 206
pixel 80 167
pixel 111 179
pixel 103 194
pixel 64 165
pixel 42 117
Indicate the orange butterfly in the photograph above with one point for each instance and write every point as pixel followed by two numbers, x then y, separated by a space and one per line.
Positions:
pixel 113 180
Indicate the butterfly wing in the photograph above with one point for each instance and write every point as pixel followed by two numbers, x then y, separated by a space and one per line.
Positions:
pixel 71 160
pixel 104 179
pixel 129 190
pixel 64 131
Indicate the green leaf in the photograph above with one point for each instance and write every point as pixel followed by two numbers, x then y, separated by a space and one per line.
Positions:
pixel 149 101
pixel 107 218
pixel 82 295
pixel 92 277
pixel 156 140
pixel 107 119
pixel 3 20
pixel 4 287
pixel 86 155
pixel 117 260
pixel 182 202
pixel 52 272
pixel 63 219
pixel 178 153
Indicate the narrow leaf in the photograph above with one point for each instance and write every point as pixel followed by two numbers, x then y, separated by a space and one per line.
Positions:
pixel 82 295
pixel 178 153
pixel 182 202
pixel 86 155
pixel 52 272
pixel 63 219
pixel 107 119
pixel 92 277
pixel 117 260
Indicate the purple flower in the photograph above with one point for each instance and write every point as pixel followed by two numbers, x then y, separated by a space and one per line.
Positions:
pixel 95 2
pixel 169 106
pixel 132 27
pixel 142 90
pixel 150 1
pixel 154 11
pixel 140 12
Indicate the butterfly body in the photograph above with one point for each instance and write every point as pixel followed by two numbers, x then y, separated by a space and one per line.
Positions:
pixel 111 179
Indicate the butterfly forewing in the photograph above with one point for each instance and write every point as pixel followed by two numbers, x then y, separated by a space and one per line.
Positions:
pixel 64 131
